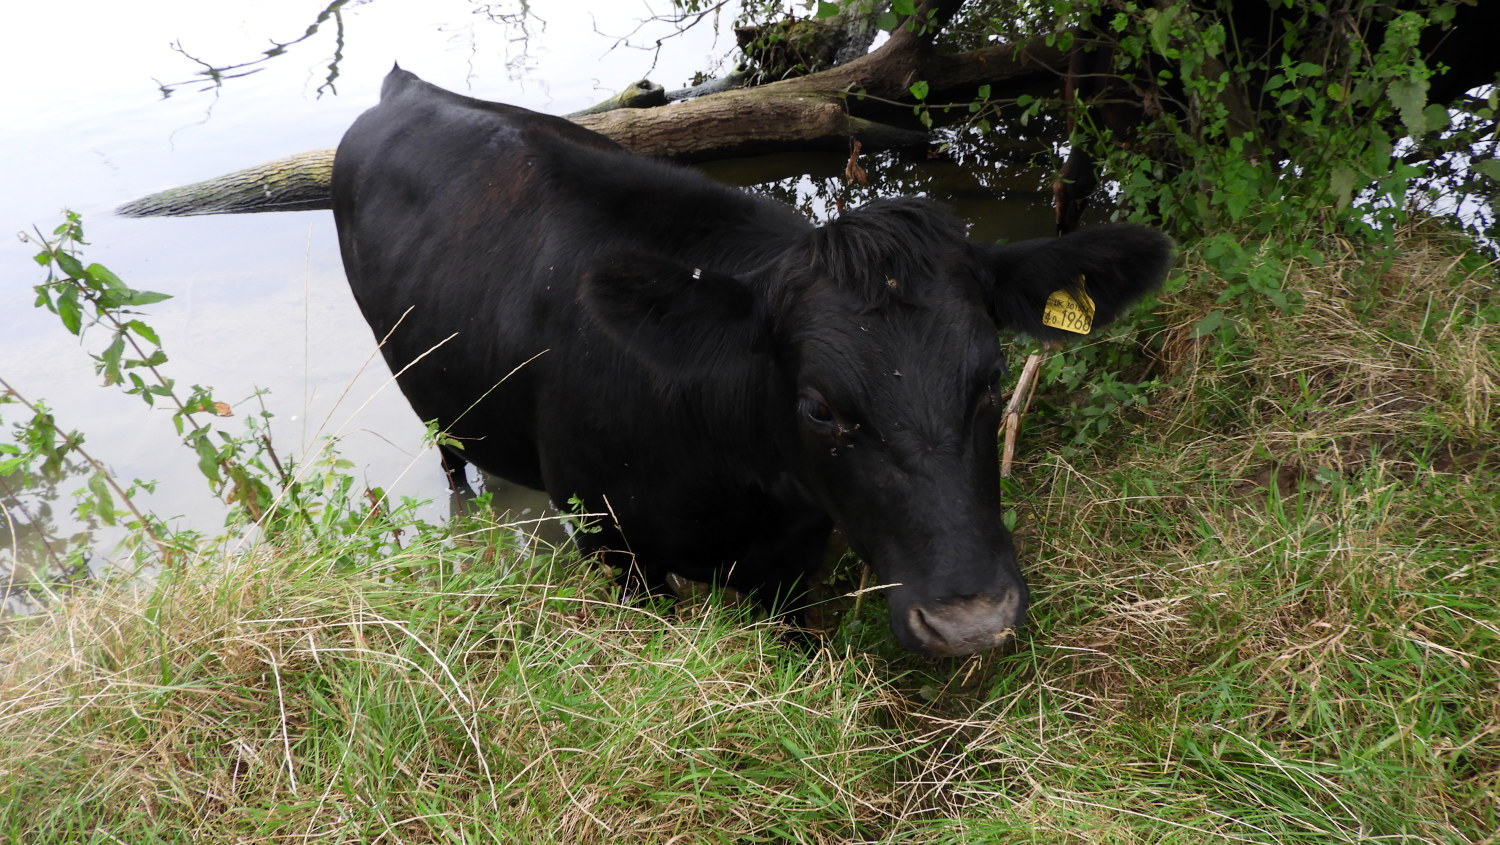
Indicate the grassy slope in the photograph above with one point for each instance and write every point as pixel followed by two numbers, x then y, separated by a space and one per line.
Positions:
pixel 1266 615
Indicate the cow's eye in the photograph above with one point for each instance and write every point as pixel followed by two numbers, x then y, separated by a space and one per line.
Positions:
pixel 987 387
pixel 994 381
pixel 817 413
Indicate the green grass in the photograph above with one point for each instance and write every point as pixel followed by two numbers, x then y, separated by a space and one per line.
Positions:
pixel 281 700
pixel 1265 612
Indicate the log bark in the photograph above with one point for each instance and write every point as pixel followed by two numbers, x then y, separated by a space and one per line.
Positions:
pixel 295 183
pixel 866 99
pixel 826 109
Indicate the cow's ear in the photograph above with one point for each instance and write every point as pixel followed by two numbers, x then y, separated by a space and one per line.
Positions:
pixel 1061 288
pixel 678 319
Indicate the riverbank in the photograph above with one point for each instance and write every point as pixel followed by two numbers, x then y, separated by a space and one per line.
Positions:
pixel 1264 613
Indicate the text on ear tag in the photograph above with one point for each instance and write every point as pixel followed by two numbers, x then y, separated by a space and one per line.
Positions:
pixel 1069 311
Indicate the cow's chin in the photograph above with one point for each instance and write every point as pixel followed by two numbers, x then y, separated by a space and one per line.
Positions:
pixel 958 625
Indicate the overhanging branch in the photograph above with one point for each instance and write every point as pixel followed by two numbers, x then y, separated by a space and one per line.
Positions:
pixel 866 99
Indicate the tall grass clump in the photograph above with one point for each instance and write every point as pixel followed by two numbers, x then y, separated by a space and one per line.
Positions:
pixel 1269 613
pixel 272 698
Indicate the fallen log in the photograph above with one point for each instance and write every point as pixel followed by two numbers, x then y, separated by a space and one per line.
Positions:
pixel 295 183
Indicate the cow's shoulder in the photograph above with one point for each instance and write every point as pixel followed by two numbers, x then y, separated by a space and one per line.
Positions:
pixel 409 95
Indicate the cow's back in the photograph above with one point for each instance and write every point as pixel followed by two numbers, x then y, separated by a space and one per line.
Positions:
pixel 466 228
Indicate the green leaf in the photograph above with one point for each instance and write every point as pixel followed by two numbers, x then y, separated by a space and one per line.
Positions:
pixel 104 503
pixel 1489 168
pixel 208 460
pixel 826 10
pixel 887 21
pixel 143 331
pixel 68 310
pixel 1409 96
pixel 110 360
pixel 1336 92
pixel 1161 27
pixel 102 274
pixel 108 300
pixel 1436 117
pixel 1208 324
pixel 1238 202
pixel 920 89
pixel 1341 184
pixel 904 7
pixel 145 297
pixel 70 265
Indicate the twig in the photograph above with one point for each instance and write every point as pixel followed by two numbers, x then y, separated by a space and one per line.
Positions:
pixel 1019 404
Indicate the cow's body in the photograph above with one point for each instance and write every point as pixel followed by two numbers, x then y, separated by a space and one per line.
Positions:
pixel 724 380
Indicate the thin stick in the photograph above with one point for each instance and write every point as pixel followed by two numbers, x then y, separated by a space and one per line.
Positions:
pixel 1019 404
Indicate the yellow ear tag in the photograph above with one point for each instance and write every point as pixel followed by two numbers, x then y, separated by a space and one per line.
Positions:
pixel 1071 312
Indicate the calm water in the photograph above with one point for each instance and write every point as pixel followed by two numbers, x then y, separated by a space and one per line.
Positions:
pixel 260 301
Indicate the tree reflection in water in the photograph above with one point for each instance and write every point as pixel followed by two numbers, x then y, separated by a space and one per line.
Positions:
pixel 44 547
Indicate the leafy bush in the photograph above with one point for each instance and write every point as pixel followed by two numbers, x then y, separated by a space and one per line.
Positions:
pixel 313 505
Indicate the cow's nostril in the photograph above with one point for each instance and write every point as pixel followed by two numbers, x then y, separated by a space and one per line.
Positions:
pixel 964 626
pixel 924 631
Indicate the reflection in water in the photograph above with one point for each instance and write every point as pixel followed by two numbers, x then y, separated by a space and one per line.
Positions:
pixel 999 184
pixel 42 550
pixel 535 524
pixel 214 76
pixel 516 23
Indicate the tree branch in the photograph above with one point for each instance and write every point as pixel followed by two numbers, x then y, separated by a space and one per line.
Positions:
pixel 866 99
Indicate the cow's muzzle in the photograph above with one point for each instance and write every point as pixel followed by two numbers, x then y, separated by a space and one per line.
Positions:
pixel 960 626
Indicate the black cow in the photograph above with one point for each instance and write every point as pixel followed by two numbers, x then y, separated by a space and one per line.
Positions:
pixel 726 381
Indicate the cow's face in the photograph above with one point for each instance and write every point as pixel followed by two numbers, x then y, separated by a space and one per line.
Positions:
pixel 897 411
pixel 888 333
pixel 894 392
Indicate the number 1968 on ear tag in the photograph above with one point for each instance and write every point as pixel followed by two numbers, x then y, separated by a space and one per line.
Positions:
pixel 1069 311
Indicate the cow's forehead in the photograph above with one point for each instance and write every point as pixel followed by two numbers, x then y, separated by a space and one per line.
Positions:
pixel 915 304
pixel 934 343
pixel 894 250
pixel 900 294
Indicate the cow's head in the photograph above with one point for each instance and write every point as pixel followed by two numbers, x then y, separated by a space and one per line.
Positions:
pixel 882 329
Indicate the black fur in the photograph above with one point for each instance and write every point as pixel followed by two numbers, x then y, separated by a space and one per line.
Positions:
pixel 725 380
